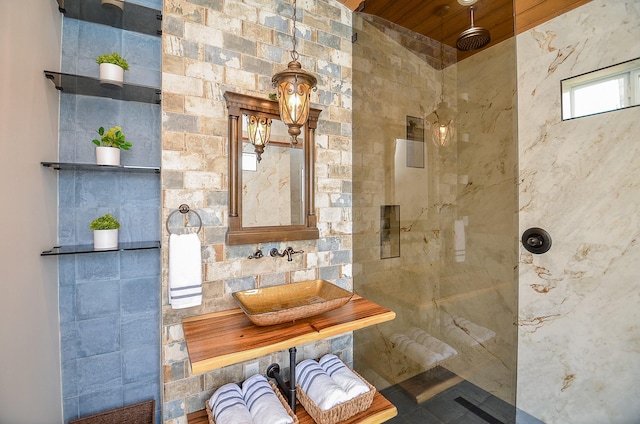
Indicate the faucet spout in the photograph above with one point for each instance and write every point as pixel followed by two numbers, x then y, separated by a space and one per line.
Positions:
pixel 288 252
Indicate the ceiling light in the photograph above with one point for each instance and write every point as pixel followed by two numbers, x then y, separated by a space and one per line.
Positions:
pixel 467 2
pixel 294 91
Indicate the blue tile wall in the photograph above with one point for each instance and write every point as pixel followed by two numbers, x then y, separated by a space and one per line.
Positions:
pixel 109 302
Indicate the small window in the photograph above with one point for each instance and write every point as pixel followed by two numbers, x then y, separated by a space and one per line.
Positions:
pixel 604 90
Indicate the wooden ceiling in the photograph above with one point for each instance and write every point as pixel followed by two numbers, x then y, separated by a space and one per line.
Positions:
pixel 497 16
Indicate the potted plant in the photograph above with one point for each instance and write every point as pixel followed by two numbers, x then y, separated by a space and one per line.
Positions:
pixel 109 145
pixel 112 67
pixel 105 232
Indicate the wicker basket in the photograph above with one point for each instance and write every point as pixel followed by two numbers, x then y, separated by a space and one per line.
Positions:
pixel 138 413
pixel 281 398
pixel 339 412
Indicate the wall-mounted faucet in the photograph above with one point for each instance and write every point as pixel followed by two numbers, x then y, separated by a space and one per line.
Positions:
pixel 288 252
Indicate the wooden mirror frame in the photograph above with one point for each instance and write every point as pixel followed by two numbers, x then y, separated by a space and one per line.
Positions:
pixel 237 105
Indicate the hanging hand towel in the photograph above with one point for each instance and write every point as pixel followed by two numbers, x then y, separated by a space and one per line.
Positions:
pixel 185 271
pixel 264 405
pixel 459 240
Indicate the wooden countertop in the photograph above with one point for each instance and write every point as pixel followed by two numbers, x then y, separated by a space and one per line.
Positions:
pixel 228 337
pixel 380 411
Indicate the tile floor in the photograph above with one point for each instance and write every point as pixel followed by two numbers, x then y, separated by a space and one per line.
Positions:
pixel 464 403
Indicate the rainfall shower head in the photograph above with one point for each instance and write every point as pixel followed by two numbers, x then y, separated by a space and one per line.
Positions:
pixel 474 37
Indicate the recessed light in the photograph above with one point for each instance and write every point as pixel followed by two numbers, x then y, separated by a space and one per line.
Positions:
pixel 467 2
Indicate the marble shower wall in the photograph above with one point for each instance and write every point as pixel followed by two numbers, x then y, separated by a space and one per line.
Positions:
pixel 579 339
pixel 213 46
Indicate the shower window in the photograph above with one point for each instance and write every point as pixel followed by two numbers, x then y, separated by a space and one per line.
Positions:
pixel 604 90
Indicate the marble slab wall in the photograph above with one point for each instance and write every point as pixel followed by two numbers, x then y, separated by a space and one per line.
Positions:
pixel 579 339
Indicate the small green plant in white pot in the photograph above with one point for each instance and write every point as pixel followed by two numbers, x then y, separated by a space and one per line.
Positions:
pixel 109 145
pixel 105 232
pixel 112 67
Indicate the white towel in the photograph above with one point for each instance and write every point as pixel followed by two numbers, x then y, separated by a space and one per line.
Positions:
pixel 478 333
pixel 415 351
pixel 317 384
pixel 264 405
pixel 228 406
pixel 185 271
pixel 431 343
pixel 459 242
pixel 341 374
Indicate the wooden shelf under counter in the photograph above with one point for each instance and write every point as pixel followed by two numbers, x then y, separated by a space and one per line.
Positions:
pixel 228 337
pixel 380 411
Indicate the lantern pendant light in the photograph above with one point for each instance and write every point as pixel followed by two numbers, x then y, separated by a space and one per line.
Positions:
pixel 259 133
pixel 441 120
pixel 294 87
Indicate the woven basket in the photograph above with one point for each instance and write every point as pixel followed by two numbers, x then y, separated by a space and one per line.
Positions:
pixel 138 413
pixel 281 398
pixel 339 412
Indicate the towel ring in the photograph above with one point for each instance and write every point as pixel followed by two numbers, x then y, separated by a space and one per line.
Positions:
pixel 184 209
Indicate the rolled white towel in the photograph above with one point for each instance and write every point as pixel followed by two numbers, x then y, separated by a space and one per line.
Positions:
pixel 317 384
pixel 228 406
pixel 415 350
pixel 341 374
pixel 263 404
pixel 478 333
pixel 431 343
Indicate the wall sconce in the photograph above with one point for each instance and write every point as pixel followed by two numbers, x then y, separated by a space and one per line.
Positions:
pixel 441 120
pixel 294 91
pixel 259 133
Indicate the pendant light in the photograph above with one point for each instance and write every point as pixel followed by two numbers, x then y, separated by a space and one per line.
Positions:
pixel 294 90
pixel 259 133
pixel 441 120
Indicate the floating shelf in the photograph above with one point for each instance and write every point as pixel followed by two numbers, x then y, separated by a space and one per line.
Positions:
pixel 89 86
pixel 88 248
pixel 62 166
pixel 228 337
pixel 131 17
pixel 380 411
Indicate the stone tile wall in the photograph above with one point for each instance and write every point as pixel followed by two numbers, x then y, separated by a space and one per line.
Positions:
pixel 209 47
pixel 109 302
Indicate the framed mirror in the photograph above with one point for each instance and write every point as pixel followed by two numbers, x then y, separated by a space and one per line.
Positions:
pixel 271 199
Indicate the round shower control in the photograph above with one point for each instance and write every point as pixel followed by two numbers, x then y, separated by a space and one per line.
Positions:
pixel 536 240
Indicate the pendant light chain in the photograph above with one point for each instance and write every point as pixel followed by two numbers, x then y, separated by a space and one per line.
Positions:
pixel 442 57
pixel 294 53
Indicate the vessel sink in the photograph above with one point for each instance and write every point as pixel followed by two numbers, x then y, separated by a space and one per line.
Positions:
pixel 290 302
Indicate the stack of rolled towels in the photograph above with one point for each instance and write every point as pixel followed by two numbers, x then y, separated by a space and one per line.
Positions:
pixel 329 382
pixel 465 333
pixel 254 403
pixel 422 347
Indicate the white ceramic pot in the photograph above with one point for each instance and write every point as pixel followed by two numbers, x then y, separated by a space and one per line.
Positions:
pixel 111 74
pixel 116 3
pixel 107 156
pixel 105 239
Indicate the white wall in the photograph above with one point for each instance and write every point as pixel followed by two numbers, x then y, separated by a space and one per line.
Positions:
pixel 579 339
pixel 30 355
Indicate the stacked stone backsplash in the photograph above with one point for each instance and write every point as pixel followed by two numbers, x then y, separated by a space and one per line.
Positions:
pixel 210 47
pixel 110 301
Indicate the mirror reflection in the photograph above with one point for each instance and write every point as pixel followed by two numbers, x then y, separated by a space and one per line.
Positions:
pixel 604 90
pixel 272 188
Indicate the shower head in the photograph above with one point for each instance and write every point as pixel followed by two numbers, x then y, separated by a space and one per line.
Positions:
pixel 474 37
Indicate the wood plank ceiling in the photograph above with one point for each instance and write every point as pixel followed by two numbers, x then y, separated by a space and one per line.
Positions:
pixel 497 16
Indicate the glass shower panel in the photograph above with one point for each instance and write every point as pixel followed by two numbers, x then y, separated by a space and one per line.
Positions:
pixel 453 283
